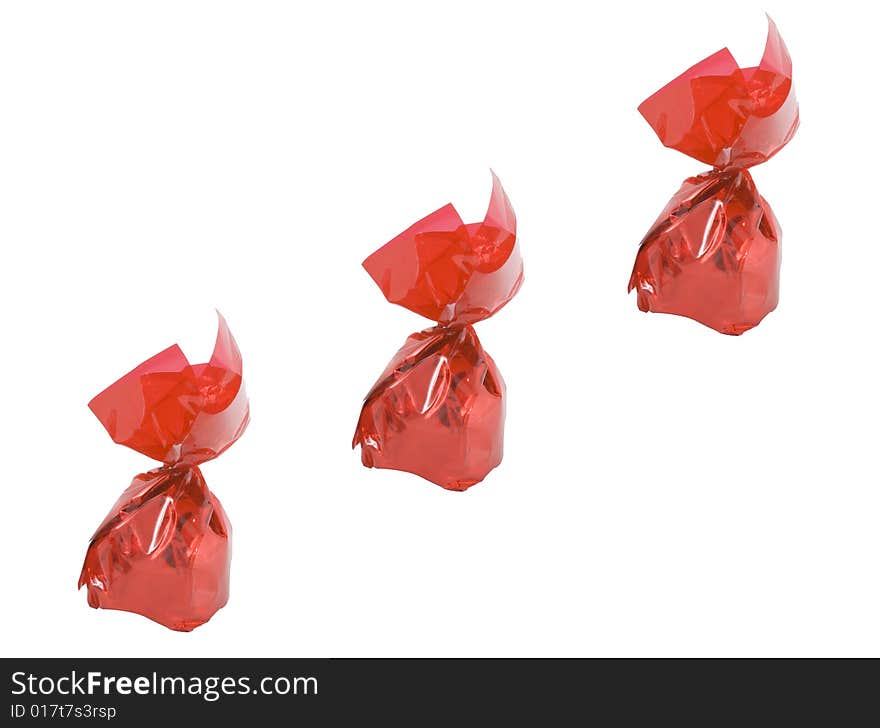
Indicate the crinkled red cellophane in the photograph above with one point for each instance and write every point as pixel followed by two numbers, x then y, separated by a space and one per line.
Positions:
pixel 438 408
pixel 713 254
pixel 163 550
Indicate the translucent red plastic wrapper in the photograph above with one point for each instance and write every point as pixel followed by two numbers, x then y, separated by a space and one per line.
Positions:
pixel 713 254
pixel 438 408
pixel 163 550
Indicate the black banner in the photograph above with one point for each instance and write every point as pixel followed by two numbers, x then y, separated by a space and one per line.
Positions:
pixel 169 692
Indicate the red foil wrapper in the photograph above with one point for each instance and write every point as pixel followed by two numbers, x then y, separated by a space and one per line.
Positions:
pixel 438 408
pixel 163 550
pixel 713 254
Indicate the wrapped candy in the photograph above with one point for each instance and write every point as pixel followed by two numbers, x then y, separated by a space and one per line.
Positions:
pixel 438 408
pixel 713 254
pixel 163 551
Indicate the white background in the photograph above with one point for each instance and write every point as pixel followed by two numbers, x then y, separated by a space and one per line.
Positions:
pixel 666 490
